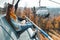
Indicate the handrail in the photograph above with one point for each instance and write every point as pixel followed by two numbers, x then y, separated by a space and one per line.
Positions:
pixel 42 31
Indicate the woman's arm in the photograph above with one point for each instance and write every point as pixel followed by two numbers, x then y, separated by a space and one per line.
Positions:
pixel 21 26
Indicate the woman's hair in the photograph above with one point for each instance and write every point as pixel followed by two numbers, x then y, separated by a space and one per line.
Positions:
pixel 10 6
pixel 9 10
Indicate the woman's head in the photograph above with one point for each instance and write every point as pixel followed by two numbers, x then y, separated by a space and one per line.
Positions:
pixel 10 12
pixel 9 9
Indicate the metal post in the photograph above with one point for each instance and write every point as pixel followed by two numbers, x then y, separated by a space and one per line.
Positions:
pixel 39 3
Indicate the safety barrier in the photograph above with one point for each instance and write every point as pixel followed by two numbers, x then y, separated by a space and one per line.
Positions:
pixel 43 32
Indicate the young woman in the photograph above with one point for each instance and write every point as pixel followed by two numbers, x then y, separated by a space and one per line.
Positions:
pixel 13 19
pixel 10 22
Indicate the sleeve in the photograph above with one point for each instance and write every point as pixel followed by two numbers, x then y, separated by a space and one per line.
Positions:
pixel 21 27
pixel 16 25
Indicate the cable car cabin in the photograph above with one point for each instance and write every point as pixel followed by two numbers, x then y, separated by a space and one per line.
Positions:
pixel 43 11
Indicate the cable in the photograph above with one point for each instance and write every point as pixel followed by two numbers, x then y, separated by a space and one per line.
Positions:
pixel 54 2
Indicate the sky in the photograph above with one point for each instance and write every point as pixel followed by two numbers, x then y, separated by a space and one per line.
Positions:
pixel 32 3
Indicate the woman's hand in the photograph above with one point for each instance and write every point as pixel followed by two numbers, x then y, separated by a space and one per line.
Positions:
pixel 23 22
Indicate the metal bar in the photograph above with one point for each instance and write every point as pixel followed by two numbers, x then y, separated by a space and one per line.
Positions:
pixel 42 31
pixel 13 2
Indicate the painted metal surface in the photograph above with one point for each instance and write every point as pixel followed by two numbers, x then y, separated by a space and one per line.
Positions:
pixel 13 35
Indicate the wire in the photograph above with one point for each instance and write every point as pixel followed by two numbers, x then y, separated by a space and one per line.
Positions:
pixel 55 2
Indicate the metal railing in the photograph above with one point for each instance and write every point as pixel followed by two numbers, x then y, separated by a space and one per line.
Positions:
pixel 42 31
